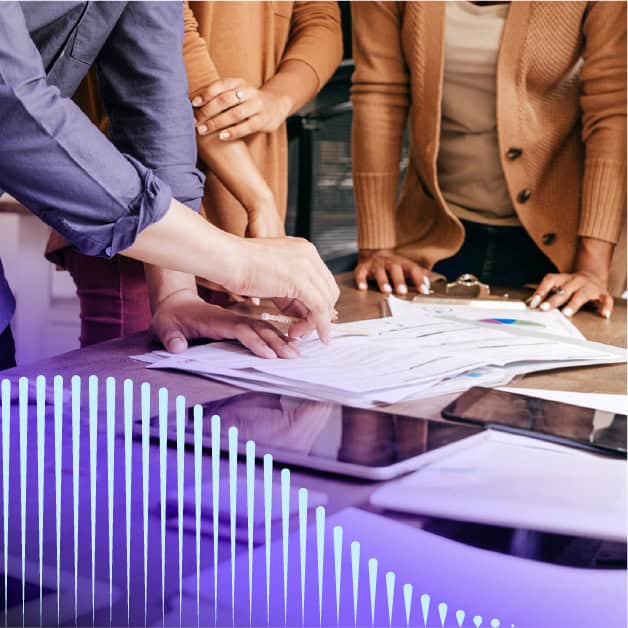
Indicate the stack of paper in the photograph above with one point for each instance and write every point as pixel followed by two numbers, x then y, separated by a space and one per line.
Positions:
pixel 418 354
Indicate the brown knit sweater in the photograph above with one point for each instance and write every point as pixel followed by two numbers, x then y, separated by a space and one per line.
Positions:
pixel 561 102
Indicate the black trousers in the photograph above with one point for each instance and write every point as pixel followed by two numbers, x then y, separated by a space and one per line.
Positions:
pixel 498 256
pixel 7 349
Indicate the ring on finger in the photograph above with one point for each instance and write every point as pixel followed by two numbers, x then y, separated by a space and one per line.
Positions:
pixel 557 290
pixel 239 94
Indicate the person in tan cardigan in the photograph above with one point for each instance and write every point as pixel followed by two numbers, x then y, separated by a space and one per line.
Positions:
pixel 250 65
pixel 517 164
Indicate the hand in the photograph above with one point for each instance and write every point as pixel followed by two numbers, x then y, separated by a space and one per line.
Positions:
pixel 572 291
pixel 586 283
pixel 263 418
pixel 387 268
pixel 234 109
pixel 183 315
pixel 286 268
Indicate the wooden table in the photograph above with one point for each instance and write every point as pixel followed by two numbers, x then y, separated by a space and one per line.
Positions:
pixel 111 359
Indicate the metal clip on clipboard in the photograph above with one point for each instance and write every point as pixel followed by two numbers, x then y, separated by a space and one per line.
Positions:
pixel 469 290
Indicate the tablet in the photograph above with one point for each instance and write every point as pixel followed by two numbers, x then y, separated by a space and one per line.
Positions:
pixel 325 436
pixel 594 430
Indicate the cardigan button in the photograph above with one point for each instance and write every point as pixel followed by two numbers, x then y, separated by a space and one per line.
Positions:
pixel 514 153
pixel 548 238
pixel 524 195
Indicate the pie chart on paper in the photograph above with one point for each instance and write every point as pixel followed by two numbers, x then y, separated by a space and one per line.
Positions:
pixel 510 321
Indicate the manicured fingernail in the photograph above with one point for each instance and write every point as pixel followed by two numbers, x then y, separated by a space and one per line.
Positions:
pixel 606 314
pixel 536 299
pixel 424 290
pixel 568 312
pixel 402 289
pixel 202 129
pixel 224 135
pixel 362 285
pixel 386 287
pixel 255 300
pixel 545 306
pixel 197 101
pixel 426 281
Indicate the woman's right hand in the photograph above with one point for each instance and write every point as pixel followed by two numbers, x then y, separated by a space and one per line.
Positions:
pixel 288 268
pixel 390 270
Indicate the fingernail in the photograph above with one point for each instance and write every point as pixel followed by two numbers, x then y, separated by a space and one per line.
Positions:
pixel 402 289
pixel 606 314
pixel 424 290
pixel 545 306
pixel 536 299
pixel 256 300
pixel 362 285
pixel 426 281
pixel 568 312
pixel 202 129
pixel 386 287
pixel 224 135
pixel 197 101
pixel 177 345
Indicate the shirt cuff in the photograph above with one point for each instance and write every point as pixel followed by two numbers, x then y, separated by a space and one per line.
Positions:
pixel 149 206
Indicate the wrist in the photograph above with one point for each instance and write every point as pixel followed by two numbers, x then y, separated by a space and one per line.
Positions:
pixel 283 105
pixel 593 257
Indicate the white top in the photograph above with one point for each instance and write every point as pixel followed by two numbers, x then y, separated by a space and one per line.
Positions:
pixel 469 169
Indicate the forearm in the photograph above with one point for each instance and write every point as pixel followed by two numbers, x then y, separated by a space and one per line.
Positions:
pixel 295 84
pixel 184 241
pixel 232 163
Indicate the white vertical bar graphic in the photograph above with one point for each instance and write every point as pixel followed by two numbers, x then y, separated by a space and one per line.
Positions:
pixel 163 477
pixel 198 485
pixel 180 414
pixel 145 416
pixel 111 431
pixel 93 452
pixel 23 411
pixel 76 461
pixel 41 445
pixel 233 488
pixel 250 516
pixel 215 437
pixel 128 468
pixel 6 452
pixel 58 427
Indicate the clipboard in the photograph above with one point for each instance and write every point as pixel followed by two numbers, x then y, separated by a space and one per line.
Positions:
pixel 469 290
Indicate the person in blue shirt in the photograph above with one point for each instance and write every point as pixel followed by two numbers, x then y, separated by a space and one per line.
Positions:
pixel 135 192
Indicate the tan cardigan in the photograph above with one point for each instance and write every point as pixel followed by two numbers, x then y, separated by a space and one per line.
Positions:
pixel 250 40
pixel 561 101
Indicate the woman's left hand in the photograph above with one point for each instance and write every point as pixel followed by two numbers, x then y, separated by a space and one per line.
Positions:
pixel 571 291
pixel 234 109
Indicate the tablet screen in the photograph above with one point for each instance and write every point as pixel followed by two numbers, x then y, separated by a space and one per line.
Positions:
pixel 565 423
pixel 324 430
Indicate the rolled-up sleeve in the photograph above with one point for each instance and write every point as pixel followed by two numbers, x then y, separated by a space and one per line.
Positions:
pixel 58 164
pixel 144 88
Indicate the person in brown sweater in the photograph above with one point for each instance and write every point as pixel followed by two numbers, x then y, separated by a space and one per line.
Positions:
pixel 517 161
pixel 250 65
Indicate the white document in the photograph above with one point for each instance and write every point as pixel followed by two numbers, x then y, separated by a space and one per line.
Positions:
pixel 515 481
pixel 552 322
pixel 598 401
pixel 386 360
pixel 490 588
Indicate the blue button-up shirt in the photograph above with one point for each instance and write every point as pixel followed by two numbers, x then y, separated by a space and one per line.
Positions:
pixel 98 193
